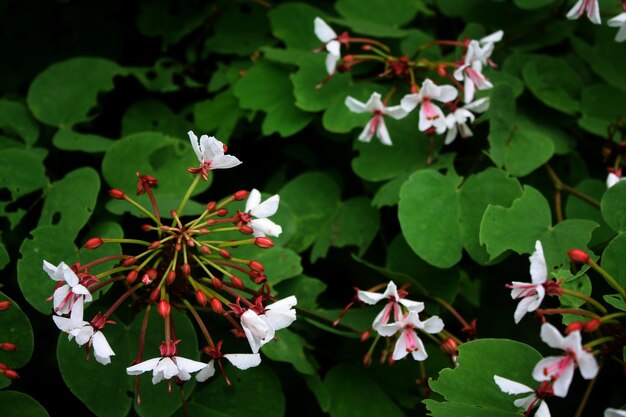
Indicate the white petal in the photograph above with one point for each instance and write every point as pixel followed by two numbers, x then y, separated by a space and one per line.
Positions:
pixel 211 148
pixel 543 410
pixel 323 32
pixel 382 133
pixel 538 268
pixel 83 334
pixel 593 12
pixel 283 304
pixel 611 180
pixel 188 365
pixel 494 37
pixel 244 360
pixel 206 372
pixel 366 134
pixel 101 348
pixel 388 330
pixel 254 199
pixel 59 297
pixel 511 387
pixel 76 315
pixel 452 131
pixel 165 369
pixel 257 328
pixel 331 63
pixel 355 105
pixel 576 11
pixel 56 273
pixel 562 383
pixel 432 325
pixel 374 103
pixel 142 367
pixel 369 297
pixel 263 227
pixel 410 101
pixel 64 324
pixel 522 307
pixel 266 208
pixel 224 161
pixel 614 412
pixel 526 402
pixel 395 112
pixel 587 364
pixel 552 337
pixel 399 351
pixel 194 144
pixel 420 354
pixel 416 306
pixel 334 48
pixel 280 314
pixel 68 275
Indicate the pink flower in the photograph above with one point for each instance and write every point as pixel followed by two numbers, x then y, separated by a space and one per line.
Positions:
pixel 430 114
pixel 395 301
pixel 471 72
pixel 86 333
pixel 408 340
pixel 68 298
pixel 167 366
pixel 560 369
pixel 529 402
pixel 456 122
pixel 261 225
pixel 620 22
pixel 376 125
pixel 589 6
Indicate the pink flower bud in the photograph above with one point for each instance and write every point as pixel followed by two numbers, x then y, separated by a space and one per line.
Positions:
pixel 217 283
pixel 132 276
pixel 94 242
pixel 117 194
pixel 211 206
pixel 578 256
pixel 592 325
pixel 256 266
pixel 366 335
pixel 171 276
pixel 574 327
pixel 155 244
pixel 11 374
pixel 240 195
pixel 225 254
pixel 129 261
pixel 154 294
pixel 264 242
pixel 237 283
pixel 246 230
pixel 186 269
pixel 163 308
pixel 449 346
pixel 201 298
pixel 146 227
pixel 216 306
pixel 222 212
pixel 9 347
pixel 5 305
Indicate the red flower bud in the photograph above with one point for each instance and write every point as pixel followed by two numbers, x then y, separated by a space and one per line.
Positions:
pixel 152 274
pixel 3 367
pixel 11 374
pixel 441 70
pixel 366 335
pixel 592 325
pixel 246 230
pixel 367 359
pixel 578 256
pixel 132 276
pixel 9 347
pixel 211 206
pixel 225 254
pixel 217 283
pixel 210 222
pixel 163 308
pixel 154 294
pixel 94 242
pixel 117 194
pixel 171 276
pixel 129 261
pixel 201 298
pixel 240 195
pixel 155 244
pixel 574 327
pixel 205 249
pixel 5 305
pixel 146 227
pixel 222 212
pixel 264 242
pixel 186 269
pixel 216 306
pixel 449 346
pixel 256 266
pixel 237 283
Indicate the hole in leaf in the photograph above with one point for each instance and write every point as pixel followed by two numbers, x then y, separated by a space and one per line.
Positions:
pixel 56 218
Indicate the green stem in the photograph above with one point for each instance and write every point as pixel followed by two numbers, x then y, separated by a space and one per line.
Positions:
pixel 141 208
pixel 587 299
pixel 608 278
pixel 187 196
pixel 599 341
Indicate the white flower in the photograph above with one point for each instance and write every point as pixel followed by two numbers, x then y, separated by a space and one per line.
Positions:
pixel 430 114
pixel 68 298
pixel 513 388
pixel 620 22
pixel 456 122
pixel 262 225
pixel 85 333
pixel 167 367
pixel 210 153
pixel 325 34
pixel 408 340
pixel 471 72
pixel 242 361
pixel 613 178
pixel 560 369
pixel 531 294
pixel 393 306
pixel 260 328
pixel 614 412
pixel 589 6
pixel 376 125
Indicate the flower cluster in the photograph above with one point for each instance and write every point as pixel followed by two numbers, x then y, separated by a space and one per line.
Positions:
pixel 186 267
pixel 592 9
pixel 468 70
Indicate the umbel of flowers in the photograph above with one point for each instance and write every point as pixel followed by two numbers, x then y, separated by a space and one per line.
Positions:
pixel 183 265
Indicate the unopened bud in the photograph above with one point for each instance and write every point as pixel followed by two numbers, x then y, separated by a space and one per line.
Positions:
pixel 574 327
pixel 177 247
pixel 94 242
pixel 9 347
pixel 441 70
pixel 5 305
pixel 146 227
pixel 154 294
pixel 366 335
pixel 211 206
pixel 155 244
pixel 132 276
pixel 186 269
pixel 3 367
pixel 205 249
pixel 204 231
pixel 259 278
pixel 578 256
pixel 201 298
pixel 129 261
pixel 449 346
pixel 163 308
pixel 171 276
pixel 367 359
pixel 592 325
pixel 152 274
pixel 222 212
pixel 256 266
pixel 117 194
pixel 245 229
pixel 264 242
pixel 225 254
pixel 216 306
pixel 237 283
pixel 217 283
pixel 240 195
pixel 11 374
pixel 210 222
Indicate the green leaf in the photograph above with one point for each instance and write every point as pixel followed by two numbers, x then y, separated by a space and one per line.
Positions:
pixel 518 227
pixel 161 19
pixel 4 256
pixel 501 112
pixel 566 235
pixel 355 223
pixel 239 31
pixel 579 283
pixel 305 288
pixel 379 18
pixel 613 206
pixel 532 4
pixel 289 348
pixel 16 329
pixel 492 186
pixel 16 120
pixel 313 198
pixel 219 115
pixel 613 259
pixel 18 404
pixel 602 106
pixel 165 76
pixel 429 213
pixel 310 94
pixel 82 185
pixel 339 119
pixel 48 243
pixel 279 263
pixel 103 229
pixel 104 389
pixel 266 87
pixel 65 92
pixel 602 57
pixel 293 24
pixel 68 140
pixel 553 82
pixel 354 393
pixel 615 300
pixel 154 116
pixel 575 208
pixel 389 193
pixel 249 389
pixel 163 157
pixel 470 388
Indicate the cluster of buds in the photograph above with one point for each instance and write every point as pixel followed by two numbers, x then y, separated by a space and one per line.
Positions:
pixel 466 75
pixel 7 347
pixel 185 266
